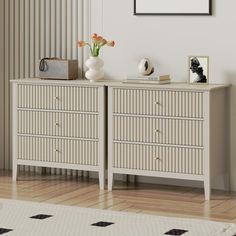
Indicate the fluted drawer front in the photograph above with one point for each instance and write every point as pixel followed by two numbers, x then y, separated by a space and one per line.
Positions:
pixel 51 97
pixel 58 150
pixel 58 124
pixel 158 158
pixel 158 130
pixel 158 102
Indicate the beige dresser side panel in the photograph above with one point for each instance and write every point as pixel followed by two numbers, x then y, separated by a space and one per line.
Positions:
pixel 219 134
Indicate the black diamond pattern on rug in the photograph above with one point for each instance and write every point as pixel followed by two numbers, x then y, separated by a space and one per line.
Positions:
pixel 102 224
pixel 3 231
pixel 176 232
pixel 40 217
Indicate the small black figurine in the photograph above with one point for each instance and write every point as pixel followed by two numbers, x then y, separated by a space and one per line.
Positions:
pixel 196 68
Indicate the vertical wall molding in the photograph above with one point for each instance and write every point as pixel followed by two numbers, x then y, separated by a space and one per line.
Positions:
pixel 29 31
pixel 87 28
pixel 2 94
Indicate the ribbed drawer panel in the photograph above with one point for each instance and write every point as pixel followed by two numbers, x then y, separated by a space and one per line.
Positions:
pixel 58 124
pixel 51 97
pixel 158 158
pixel 157 130
pixel 158 103
pixel 58 150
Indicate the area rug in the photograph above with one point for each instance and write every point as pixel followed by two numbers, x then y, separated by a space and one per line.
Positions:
pixel 22 218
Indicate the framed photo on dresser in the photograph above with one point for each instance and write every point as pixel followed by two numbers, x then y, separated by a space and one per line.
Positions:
pixel 172 7
pixel 198 69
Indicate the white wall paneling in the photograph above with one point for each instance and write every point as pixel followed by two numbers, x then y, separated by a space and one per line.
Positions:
pixel 29 31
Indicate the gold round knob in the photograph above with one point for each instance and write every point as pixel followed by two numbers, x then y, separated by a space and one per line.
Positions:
pixel 157 130
pixel 157 158
pixel 56 150
pixel 56 97
pixel 157 103
pixel 56 124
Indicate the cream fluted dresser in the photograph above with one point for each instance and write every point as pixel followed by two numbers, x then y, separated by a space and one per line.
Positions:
pixel 59 124
pixel 172 131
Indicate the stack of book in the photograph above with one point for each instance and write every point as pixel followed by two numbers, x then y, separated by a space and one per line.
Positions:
pixel 152 79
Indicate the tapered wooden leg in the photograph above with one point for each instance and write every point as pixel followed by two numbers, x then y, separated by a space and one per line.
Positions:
pixel 110 180
pixel 101 180
pixel 14 172
pixel 207 189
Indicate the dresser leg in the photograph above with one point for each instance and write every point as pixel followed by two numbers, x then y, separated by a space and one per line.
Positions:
pixel 14 172
pixel 101 180
pixel 207 190
pixel 110 180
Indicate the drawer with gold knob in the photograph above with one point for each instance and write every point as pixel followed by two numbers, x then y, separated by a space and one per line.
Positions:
pixel 60 124
pixel 158 158
pixel 52 97
pixel 55 150
pixel 158 102
pixel 185 132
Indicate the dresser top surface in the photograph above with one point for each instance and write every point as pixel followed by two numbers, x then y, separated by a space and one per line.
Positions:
pixel 76 82
pixel 120 84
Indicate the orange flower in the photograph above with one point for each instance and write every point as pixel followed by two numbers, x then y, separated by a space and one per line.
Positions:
pixel 94 36
pixel 99 39
pixel 111 43
pixel 81 44
pixel 97 43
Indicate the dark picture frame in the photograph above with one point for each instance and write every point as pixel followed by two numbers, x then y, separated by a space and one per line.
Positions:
pixel 209 13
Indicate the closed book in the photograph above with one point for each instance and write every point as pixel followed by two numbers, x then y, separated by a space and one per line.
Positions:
pixel 139 81
pixel 150 77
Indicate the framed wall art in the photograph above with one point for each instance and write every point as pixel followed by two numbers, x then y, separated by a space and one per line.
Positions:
pixel 198 69
pixel 172 7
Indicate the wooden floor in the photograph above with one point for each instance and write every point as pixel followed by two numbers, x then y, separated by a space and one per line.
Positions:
pixel 142 198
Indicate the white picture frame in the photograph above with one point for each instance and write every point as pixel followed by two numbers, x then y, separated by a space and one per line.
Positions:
pixel 172 7
pixel 198 67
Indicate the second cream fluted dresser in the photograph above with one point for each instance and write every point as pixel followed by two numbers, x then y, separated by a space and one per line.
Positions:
pixel 172 131
pixel 59 124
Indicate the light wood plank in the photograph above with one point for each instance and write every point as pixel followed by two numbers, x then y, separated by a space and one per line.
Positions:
pixel 142 198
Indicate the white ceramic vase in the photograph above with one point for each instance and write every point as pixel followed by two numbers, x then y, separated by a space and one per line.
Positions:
pixel 94 73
